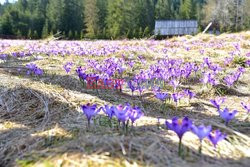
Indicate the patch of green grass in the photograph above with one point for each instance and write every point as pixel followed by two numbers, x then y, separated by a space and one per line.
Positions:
pixel 31 163
pixel 239 60
pixel 220 91
pixel 25 163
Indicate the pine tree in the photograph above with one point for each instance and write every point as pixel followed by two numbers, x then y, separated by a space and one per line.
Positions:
pixel 70 34
pixel 35 35
pixel 140 33
pixel 19 34
pixel 115 18
pixel 102 14
pixel 76 36
pixel 82 35
pixel 29 34
pixel 6 24
pixel 91 18
pixel 163 9
pixel 45 31
pixel 51 33
pixel 186 9
pixel 146 32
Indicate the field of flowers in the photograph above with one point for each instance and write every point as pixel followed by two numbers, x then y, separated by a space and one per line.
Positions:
pixel 184 101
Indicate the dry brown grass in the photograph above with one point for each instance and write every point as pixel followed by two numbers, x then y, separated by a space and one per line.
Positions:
pixel 41 123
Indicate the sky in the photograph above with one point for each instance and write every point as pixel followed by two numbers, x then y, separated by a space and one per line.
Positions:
pixel 2 1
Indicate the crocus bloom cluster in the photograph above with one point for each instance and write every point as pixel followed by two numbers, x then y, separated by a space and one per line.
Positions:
pixel 181 126
pixel 123 113
pixel 127 112
pixel 81 73
pixel 232 78
pixel 33 69
pixel 209 78
pixel 67 67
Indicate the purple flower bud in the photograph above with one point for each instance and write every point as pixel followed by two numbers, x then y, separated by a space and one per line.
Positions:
pixel 217 102
pixel 175 83
pixel 131 86
pixel 246 106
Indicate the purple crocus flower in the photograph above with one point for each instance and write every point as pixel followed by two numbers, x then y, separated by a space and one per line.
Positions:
pixel 161 96
pixel 177 96
pixel 122 112
pixel 209 78
pixel 38 71
pixel 216 136
pixel 226 115
pixel 189 93
pixel 217 102
pixel 175 83
pixel 180 127
pixel 207 61
pixel 248 54
pixel 229 80
pixel 135 113
pixel 67 67
pixel 247 62
pixel 32 68
pixel 81 73
pixel 131 86
pixel 202 51
pixel 228 60
pixel 246 106
pixel 109 111
pixel 201 131
pixel 90 111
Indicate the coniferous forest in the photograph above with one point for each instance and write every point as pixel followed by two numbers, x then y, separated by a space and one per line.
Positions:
pixel 112 19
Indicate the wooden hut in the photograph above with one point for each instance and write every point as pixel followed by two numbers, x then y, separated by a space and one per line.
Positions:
pixel 175 27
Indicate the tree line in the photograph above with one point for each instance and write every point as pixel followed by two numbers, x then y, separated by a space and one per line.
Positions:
pixel 112 19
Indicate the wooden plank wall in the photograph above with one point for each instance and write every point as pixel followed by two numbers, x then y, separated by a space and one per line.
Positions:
pixel 176 27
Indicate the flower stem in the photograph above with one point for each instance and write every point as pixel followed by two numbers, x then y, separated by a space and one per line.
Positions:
pixel 110 123
pixel 88 125
pixel 200 148
pixel 180 148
